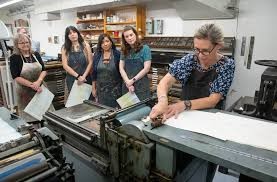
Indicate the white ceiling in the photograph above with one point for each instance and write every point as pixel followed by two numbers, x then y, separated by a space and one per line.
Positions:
pixel 19 6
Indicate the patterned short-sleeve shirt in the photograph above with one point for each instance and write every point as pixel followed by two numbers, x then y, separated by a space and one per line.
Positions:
pixel 181 70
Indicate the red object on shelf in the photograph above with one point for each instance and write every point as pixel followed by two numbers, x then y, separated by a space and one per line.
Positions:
pixel 116 33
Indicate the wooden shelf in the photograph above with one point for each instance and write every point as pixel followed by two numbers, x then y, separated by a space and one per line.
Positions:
pixel 112 20
pixel 121 23
pixel 114 30
pixel 89 20
pixel 89 30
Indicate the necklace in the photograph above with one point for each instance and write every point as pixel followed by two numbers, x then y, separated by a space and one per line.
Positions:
pixel 107 57
pixel 76 48
pixel 27 59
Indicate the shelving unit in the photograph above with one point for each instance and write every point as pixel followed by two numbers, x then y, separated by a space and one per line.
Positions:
pixel 91 24
pixel 111 21
pixel 118 18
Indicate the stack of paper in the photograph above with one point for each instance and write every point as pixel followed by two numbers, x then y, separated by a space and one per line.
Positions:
pixel 228 127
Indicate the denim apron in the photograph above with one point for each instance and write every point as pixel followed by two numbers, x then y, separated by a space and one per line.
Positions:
pixel 78 62
pixel 31 72
pixel 108 84
pixel 132 67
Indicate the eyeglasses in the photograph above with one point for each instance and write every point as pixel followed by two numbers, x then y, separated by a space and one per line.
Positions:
pixel 204 51
pixel 23 42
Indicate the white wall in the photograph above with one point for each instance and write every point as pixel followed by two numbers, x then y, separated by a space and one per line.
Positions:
pixel 41 30
pixel 256 20
pixel 175 26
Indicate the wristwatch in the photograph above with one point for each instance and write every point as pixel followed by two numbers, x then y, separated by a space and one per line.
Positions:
pixel 187 104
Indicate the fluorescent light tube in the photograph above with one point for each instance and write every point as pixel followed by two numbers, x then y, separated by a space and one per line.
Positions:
pixel 9 3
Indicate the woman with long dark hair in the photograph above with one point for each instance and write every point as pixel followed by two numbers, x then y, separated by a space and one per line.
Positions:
pixel 76 58
pixel 106 79
pixel 135 63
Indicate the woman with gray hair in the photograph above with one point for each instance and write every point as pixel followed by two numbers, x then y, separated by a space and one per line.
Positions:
pixel 27 69
pixel 206 76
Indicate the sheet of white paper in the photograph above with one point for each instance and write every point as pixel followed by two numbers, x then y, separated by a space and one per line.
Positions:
pixel 85 117
pixel 197 121
pixel 40 103
pixel 251 131
pixel 128 99
pixel 78 94
pixel 7 133
pixel 228 127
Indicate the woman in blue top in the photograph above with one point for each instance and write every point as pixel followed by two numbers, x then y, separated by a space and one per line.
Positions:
pixel 206 76
pixel 135 63
pixel 106 79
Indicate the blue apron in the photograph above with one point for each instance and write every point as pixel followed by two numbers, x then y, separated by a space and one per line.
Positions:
pixel 142 88
pixel 108 83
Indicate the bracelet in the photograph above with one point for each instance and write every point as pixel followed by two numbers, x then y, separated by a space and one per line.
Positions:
pixel 134 79
pixel 161 97
pixel 78 76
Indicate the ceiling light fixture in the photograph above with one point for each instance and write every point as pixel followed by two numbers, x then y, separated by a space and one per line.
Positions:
pixel 9 3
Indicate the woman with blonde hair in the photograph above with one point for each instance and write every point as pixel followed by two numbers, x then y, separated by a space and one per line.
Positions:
pixel 27 69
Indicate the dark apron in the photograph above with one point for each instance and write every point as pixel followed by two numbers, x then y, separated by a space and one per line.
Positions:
pixel 78 62
pixel 142 88
pixel 108 83
pixel 198 85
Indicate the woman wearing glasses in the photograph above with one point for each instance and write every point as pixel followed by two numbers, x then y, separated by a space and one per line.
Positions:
pixel 27 69
pixel 206 76
pixel 106 79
